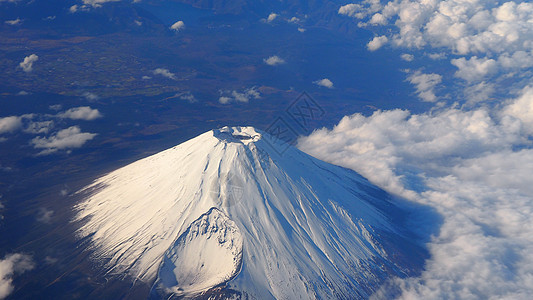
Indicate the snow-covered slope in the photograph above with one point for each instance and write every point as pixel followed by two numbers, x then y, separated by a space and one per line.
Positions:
pixel 225 205
pixel 207 254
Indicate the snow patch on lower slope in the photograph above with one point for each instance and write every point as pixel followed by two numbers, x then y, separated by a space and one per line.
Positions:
pixel 208 254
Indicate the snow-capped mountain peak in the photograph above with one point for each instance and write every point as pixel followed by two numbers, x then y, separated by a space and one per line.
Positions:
pixel 224 212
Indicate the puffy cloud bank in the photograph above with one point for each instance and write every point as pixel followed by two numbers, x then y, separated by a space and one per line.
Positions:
pixel 484 40
pixel 472 162
pixel 11 265
pixel 474 167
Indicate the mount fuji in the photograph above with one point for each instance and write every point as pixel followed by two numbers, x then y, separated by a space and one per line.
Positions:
pixel 225 215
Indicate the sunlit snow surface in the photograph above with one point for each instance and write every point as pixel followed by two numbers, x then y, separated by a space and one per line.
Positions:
pixel 207 254
pixel 303 228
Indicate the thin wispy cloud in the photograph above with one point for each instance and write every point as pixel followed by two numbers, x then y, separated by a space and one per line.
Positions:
pixel 17 21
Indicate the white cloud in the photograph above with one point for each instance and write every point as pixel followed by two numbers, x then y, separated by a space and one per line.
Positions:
pixel 39 127
pixel 89 4
pixel 377 42
pixel 407 57
pixel 10 124
pixel 324 82
pixel 11 265
pixel 349 9
pixel 81 113
pixel 436 56
pixel 474 69
pixel 27 63
pixel 274 60
pixel 55 107
pixel 17 21
pixel 44 215
pixel 50 260
pixel 479 93
pixel 386 142
pixel 425 85
pixel 294 20
pixel 484 38
pixel 178 26
pixel 474 168
pixel 235 96
pixel 165 73
pixel 300 29
pixel 522 109
pixel 188 96
pixel 224 99
pixel 271 17
pixel 90 96
pixel 97 3
pixel 69 138
pixel 353 10
pixel 378 19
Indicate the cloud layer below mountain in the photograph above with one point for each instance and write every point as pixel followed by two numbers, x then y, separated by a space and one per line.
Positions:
pixel 470 159
pixel 473 167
